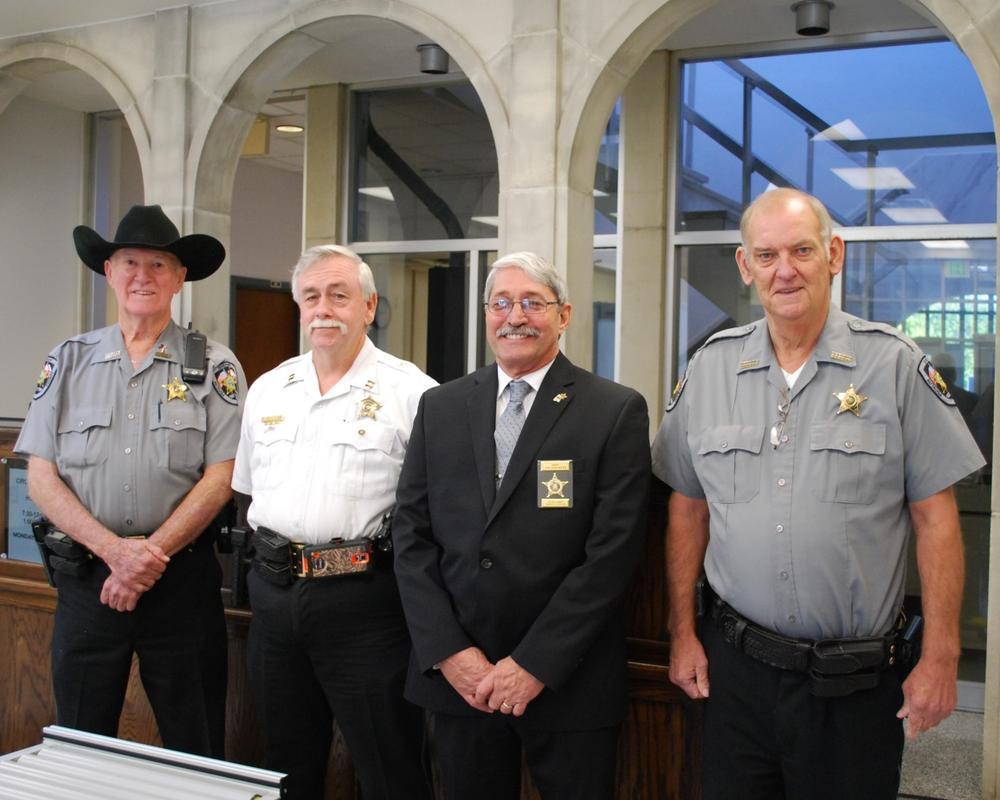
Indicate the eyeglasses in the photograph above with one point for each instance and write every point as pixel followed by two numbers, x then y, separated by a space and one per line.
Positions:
pixel 784 404
pixel 502 306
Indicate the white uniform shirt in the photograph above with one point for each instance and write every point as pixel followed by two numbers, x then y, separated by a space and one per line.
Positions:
pixel 322 467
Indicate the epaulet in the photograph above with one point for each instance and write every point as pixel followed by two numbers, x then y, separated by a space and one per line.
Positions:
pixel 284 363
pixel 866 326
pixel 728 333
pixel 87 337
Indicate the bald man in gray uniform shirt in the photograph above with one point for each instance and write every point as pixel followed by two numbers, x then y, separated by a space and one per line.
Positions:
pixel 803 450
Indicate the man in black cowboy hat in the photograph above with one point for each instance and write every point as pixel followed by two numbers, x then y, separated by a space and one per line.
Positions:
pixel 132 459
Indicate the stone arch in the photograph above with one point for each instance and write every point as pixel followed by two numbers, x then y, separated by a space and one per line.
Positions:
pixel 214 153
pixel 93 67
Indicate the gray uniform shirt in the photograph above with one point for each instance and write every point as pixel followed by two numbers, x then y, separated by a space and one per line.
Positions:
pixel 808 538
pixel 126 445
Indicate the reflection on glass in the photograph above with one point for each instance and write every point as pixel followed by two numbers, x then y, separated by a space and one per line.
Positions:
pixel 421 312
pixel 424 165
pixel 944 298
pixel 712 297
pixel 605 268
pixel 606 176
pixel 895 135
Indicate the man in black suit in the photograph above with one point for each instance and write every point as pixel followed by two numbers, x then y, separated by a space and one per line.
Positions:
pixel 521 515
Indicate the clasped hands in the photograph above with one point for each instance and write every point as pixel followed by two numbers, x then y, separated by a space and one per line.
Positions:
pixel 505 686
pixel 135 564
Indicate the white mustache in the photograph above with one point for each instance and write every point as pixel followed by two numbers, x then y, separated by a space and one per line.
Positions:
pixel 520 330
pixel 328 323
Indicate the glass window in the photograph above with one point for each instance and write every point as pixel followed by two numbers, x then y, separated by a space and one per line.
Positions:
pixel 606 176
pixel 843 125
pixel 605 293
pixel 424 165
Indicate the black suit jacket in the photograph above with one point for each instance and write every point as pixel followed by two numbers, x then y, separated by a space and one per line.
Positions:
pixel 486 567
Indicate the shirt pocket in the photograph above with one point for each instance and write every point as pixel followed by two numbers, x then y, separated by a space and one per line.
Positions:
pixel 84 435
pixel 271 461
pixel 850 459
pixel 179 432
pixel 729 462
pixel 370 467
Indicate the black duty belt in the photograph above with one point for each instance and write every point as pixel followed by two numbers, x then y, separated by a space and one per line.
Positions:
pixel 837 667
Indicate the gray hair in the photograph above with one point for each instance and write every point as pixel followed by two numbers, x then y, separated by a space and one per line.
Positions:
pixel 822 215
pixel 321 251
pixel 535 267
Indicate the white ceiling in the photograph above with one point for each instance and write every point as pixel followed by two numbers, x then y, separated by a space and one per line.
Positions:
pixel 367 49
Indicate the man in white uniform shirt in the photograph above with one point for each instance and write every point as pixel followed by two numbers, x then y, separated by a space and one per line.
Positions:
pixel 321 446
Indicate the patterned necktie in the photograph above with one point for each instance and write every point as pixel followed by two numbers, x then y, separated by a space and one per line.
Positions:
pixel 509 425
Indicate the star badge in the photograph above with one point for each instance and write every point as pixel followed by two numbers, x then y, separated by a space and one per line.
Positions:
pixel 176 390
pixel 850 400
pixel 554 486
pixel 368 408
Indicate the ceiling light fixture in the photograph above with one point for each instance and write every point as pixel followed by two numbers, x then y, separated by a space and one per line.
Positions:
pixel 868 178
pixel 433 59
pixel 812 17
pixel 289 128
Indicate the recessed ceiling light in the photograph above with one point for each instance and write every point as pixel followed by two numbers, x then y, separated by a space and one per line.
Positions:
pixel 867 178
pixel 289 128
pixel 380 192
pixel 846 129
pixel 914 215
pixel 945 244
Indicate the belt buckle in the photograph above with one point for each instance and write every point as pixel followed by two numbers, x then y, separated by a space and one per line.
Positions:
pixel 298 563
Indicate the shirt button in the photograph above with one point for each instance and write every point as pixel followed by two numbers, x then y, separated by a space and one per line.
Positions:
pixel 362 432
pixel 177 422
pixel 779 528
pixel 131 415
pixel 848 444
pixel 127 488
pixel 784 438
pixel 781 481
pixel 791 618
pixel 128 451
pixel 724 444
pixel 486 563
pixel 784 575
pixel 128 522
pixel 133 384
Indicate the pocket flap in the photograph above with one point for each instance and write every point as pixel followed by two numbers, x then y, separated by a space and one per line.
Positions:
pixel 180 416
pixel 859 437
pixel 83 418
pixel 363 435
pixel 725 438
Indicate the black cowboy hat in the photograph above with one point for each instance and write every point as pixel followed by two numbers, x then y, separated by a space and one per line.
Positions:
pixel 149 228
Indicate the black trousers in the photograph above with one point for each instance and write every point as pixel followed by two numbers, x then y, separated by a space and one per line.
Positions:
pixel 768 738
pixel 480 757
pixel 179 633
pixel 336 648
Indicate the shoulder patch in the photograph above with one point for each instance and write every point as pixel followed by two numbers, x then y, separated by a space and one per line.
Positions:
pixel 934 380
pixel 45 377
pixel 675 395
pixel 226 381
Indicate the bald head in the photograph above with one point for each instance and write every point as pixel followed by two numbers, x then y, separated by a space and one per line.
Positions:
pixel 776 198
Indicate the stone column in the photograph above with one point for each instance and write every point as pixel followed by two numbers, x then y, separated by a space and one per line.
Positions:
pixel 324 170
pixel 642 191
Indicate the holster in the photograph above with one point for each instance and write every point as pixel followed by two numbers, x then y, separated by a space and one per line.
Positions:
pixel 60 553
pixel 272 556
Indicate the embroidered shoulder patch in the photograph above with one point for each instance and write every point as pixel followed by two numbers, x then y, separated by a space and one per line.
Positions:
pixel 45 377
pixel 675 395
pixel 226 382
pixel 934 380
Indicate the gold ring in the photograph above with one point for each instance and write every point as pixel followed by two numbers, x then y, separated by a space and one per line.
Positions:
pixel 505 704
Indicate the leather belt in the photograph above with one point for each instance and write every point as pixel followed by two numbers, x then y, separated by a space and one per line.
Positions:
pixel 835 663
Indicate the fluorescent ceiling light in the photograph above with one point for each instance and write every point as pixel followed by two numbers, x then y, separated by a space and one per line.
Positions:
pixel 289 128
pixel 844 130
pixel 867 178
pixel 381 192
pixel 493 222
pixel 599 193
pixel 945 244
pixel 914 215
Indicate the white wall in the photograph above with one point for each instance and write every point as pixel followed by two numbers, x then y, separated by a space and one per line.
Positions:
pixel 266 223
pixel 42 157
